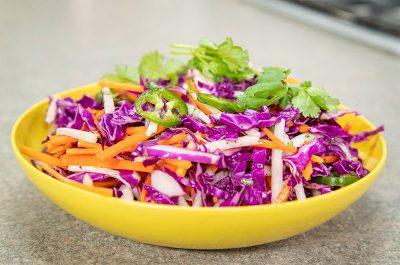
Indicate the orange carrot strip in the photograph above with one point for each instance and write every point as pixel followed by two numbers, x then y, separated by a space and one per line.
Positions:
pixel 119 147
pixel 134 130
pixel 143 194
pixel 347 127
pixel 307 171
pixel 98 190
pixel 215 199
pixel 45 158
pixel 198 104
pixel 131 97
pixel 57 149
pixel 271 145
pixel 178 163
pixel 61 139
pixel 107 183
pixel 180 171
pixel 84 144
pixel 317 159
pixel 90 160
pixel 99 114
pixel 174 139
pixel 290 124
pixel 213 168
pixel 330 159
pixel 284 193
pixel 268 182
pixel 277 141
pixel 189 82
pixel 59 154
pixel 304 128
pixel 83 151
pixel 121 86
pixel 291 81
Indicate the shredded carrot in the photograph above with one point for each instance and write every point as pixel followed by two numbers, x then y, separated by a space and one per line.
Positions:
pixel 107 183
pixel 90 160
pixel 189 82
pixel 83 151
pixel 84 144
pixel 134 130
pixel 307 171
pixel 131 97
pixel 199 105
pixel 268 182
pixel 58 176
pixel 277 141
pixel 213 168
pixel 215 199
pixel 59 154
pixel 119 147
pixel 181 172
pixel 178 163
pixel 330 159
pixel 271 145
pixel 290 124
pixel 304 128
pixel 284 193
pixel 174 139
pixel 99 114
pixel 143 194
pixel 347 127
pixel 42 157
pixel 121 86
pixel 56 150
pixel 317 159
pixel 291 81
pixel 61 139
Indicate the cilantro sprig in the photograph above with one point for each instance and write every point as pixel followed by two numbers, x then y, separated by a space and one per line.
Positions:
pixel 153 65
pixel 216 61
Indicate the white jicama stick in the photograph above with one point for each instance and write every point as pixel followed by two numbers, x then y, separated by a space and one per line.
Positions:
pixel 277 163
pixel 182 201
pixel 315 192
pixel 151 128
pixel 108 101
pixel 166 184
pixel 110 172
pixel 197 200
pixel 126 193
pixel 299 190
pixel 51 111
pixel 299 140
pixel 87 180
pixel 78 134
pixel 136 193
pixel 224 144
pixel 201 115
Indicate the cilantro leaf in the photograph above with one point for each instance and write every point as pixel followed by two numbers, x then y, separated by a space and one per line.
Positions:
pixel 123 74
pixel 322 98
pixel 216 61
pixel 234 56
pixel 310 100
pixel 155 66
pixel 273 74
pixel 305 104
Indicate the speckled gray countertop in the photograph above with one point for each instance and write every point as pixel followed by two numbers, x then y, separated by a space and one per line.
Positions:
pixel 49 46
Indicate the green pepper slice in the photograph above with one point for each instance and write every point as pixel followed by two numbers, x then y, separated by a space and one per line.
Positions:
pixel 343 180
pixel 156 112
pixel 219 103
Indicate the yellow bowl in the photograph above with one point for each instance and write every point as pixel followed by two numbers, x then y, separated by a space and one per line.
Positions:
pixel 193 228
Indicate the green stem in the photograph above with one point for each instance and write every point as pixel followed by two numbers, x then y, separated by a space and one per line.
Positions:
pixel 182 52
pixel 183 46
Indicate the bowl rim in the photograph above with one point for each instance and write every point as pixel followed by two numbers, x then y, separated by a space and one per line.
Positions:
pixel 21 157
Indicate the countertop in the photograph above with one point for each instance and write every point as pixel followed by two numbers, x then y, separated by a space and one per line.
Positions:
pixel 49 46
